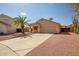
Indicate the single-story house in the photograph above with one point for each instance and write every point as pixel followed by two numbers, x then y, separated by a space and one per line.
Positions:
pixel 6 25
pixel 45 26
pixel 40 26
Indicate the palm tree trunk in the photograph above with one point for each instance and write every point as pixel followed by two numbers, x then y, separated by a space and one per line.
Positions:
pixel 22 28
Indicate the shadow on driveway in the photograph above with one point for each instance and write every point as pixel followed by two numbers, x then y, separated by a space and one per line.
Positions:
pixel 15 35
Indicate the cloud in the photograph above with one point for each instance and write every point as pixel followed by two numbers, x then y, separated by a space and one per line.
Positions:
pixel 23 13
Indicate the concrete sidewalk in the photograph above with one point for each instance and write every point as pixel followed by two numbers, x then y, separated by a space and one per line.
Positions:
pixel 23 45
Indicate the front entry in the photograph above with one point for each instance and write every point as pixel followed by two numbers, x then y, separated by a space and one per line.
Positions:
pixel 35 29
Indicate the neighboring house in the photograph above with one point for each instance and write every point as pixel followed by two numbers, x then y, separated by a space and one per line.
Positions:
pixel 6 24
pixel 46 26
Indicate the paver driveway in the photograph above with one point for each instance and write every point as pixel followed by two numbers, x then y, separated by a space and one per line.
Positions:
pixel 22 45
pixel 58 44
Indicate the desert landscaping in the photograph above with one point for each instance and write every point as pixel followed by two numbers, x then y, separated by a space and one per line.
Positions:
pixel 50 32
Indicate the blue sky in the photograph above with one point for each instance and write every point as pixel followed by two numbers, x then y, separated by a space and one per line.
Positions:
pixel 61 13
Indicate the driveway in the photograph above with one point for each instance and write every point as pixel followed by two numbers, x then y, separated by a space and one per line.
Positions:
pixel 22 45
pixel 10 36
pixel 64 44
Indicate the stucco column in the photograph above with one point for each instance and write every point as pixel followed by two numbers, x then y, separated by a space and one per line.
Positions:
pixel 39 28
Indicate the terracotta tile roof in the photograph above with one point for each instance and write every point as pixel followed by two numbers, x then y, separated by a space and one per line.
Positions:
pixel 42 19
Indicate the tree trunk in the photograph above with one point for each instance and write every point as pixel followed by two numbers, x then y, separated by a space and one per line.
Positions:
pixel 22 28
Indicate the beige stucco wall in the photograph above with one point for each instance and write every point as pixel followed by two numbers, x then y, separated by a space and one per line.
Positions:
pixel 49 27
pixel 11 29
pixel 5 28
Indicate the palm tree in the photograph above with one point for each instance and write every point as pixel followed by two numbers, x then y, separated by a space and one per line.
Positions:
pixel 20 21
